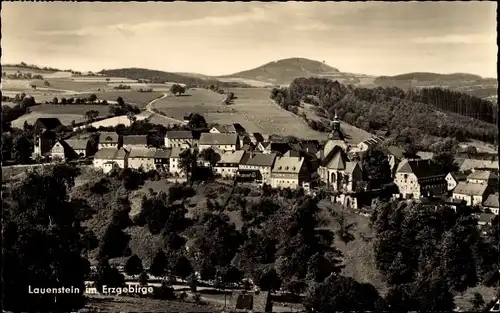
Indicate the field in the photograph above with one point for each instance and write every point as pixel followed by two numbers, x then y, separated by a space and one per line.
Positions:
pixel 252 109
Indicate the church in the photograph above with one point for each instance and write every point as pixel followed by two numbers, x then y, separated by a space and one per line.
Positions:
pixel 336 170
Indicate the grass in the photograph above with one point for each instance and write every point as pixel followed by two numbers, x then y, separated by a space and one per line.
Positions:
pixel 70 85
pixel 252 109
pixel 129 96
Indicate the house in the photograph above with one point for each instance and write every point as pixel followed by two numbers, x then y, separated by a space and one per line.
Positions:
pixel 142 158
pixel 257 302
pixel 69 149
pixel 483 177
pixel 229 163
pixel 491 203
pixel 279 148
pixel 475 164
pixel 289 172
pixel 338 173
pixel 423 155
pixel 452 179
pixel 309 147
pixel 258 162
pixel 369 144
pixel 183 139
pixel 244 140
pixel 471 193
pixel 235 128
pixel 162 157
pixel 292 153
pixel 394 154
pixel 109 158
pixel 263 147
pixel 223 142
pixel 417 178
pixel 44 133
pixel 108 140
pixel 255 138
pixel 174 161
pixel 135 142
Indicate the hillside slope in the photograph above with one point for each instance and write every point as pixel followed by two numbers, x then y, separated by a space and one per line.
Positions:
pixel 161 77
pixel 283 71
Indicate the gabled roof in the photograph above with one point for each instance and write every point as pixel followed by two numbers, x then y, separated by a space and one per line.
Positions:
pixel 108 137
pixel 175 152
pixel 261 159
pixel 421 168
pixel 469 164
pixel 142 153
pixel 293 153
pixel 49 123
pixel 218 139
pixel 350 167
pixel 425 155
pixel 458 176
pixel 482 175
pixel 290 165
pixel 396 151
pixel 280 147
pixel 309 147
pixel 232 157
pixel 141 140
pixel 470 189
pixel 77 144
pixel 179 134
pixel 111 154
pixel 335 159
pixel 492 201
pixel 163 153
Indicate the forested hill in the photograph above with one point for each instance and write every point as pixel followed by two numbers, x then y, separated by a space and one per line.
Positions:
pixel 163 77
pixel 418 115
pixel 427 77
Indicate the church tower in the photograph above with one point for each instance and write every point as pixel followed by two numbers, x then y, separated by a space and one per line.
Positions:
pixel 335 138
pixel 336 133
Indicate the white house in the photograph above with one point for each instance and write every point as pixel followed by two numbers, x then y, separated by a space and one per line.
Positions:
pixel 142 158
pixel 174 161
pixel 261 162
pixel 452 179
pixel 69 149
pixel 289 172
pixel 369 144
pixel 491 203
pixel 108 158
pixel 483 177
pixel 223 142
pixel 108 140
pixel 471 193
pixel 417 178
pixel 183 139
pixel 229 163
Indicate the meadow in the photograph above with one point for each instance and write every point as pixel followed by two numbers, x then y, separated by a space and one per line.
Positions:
pixel 252 109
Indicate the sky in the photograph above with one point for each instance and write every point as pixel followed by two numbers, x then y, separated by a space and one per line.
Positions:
pixel 375 38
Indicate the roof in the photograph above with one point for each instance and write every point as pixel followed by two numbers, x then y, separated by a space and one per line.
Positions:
pixel 281 147
pixel 218 139
pixel 142 153
pixel 179 134
pixel 425 155
pixel 309 147
pixel 335 159
pixel 482 175
pixel 135 140
pixel 293 153
pixel 77 144
pixel 350 166
pixel 231 157
pixel 232 128
pixel 163 153
pixel 458 176
pixel 49 123
pixel 288 165
pixel 469 164
pixel 175 152
pixel 261 159
pixel 470 189
pixel 421 168
pixel 485 218
pixel 492 201
pixel 111 154
pixel 108 137
pixel 395 151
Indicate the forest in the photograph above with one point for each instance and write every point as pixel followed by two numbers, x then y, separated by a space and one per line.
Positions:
pixel 413 114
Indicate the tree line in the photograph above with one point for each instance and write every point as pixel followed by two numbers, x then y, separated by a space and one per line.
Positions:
pixel 380 108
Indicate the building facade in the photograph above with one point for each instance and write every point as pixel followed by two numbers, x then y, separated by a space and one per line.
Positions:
pixel 416 178
pixel 180 139
pixel 289 172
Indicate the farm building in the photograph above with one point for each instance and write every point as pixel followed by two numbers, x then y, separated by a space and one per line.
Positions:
pixel 135 142
pixel 260 162
pixel 174 161
pixel 452 179
pixel 142 158
pixel 108 140
pixel 108 158
pixel 69 149
pixel 162 157
pixel 45 130
pixel 183 139
pixel 224 142
pixel 491 203
pixel 475 164
pixel 471 193
pixel 416 178
pixel 229 163
pixel 483 177
pixel 289 172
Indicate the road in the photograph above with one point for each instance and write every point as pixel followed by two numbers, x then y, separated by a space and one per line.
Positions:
pixel 170 119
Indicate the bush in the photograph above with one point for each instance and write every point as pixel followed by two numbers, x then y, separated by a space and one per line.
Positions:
pixel 143 279
pixel 164 292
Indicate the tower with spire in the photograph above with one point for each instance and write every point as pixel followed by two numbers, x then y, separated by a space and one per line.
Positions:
pixel 336 133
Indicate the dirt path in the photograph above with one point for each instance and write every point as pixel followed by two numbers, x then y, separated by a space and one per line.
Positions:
pixel 150 110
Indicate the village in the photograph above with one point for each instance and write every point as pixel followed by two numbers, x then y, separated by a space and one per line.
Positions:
pixel 232 154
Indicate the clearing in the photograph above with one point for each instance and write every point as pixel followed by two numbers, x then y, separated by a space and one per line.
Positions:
pixel 65 113
pixel 252 109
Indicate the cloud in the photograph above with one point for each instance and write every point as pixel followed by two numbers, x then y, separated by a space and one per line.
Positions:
pixel 455 39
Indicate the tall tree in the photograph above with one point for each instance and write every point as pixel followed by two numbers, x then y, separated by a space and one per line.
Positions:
pixel 159 265
pixel 133 266
pixel 376 167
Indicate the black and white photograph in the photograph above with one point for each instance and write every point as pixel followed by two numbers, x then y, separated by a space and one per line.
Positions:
pixel 249 157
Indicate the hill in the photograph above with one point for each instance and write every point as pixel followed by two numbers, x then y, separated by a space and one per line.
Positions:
pixel 283 72
pixel 155 76
pixel 474 85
